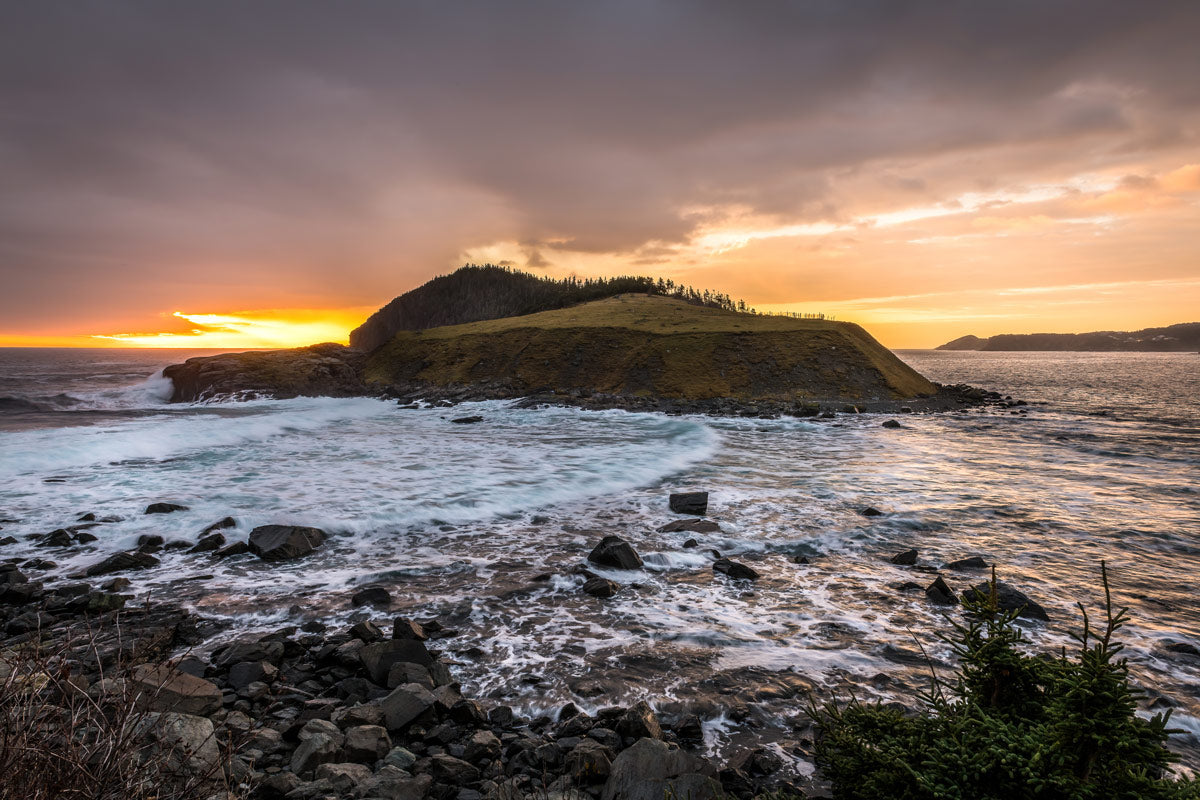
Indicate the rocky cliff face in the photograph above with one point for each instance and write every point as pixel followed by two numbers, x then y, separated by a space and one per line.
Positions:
pixel 329 370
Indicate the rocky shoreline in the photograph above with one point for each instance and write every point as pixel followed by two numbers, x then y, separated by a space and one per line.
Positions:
pixel 369 711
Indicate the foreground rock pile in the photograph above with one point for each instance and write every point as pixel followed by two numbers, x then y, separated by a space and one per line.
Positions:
pixel 366 712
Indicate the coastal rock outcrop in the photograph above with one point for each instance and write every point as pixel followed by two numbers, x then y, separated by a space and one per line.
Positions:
pixel 613 551
pixel 324 370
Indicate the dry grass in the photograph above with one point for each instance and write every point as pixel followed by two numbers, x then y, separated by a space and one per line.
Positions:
pixel 61 738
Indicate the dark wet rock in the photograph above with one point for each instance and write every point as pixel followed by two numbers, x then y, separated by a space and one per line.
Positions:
pixel 404 704
pixel 690 730
pixel 447 769
pixel 600 587
pixel 115 585
pixel 221 524
pixel 638 722
pixel 366 631
pixel 613 551
pixel 652 769
pixel 467 420
pixel 120 562
pixel 39 564
pixel 88 517
pixel 244 673
pixel 891 423
pixel 589 762
pixel 367 743
pixel 178 544
pixel 1181 649
pixel 393 783
pixel 501 716
pixel 695 503
pixel 905 559
pixel 690 543
pixel 1008 598
pixel 939 592
pixel 209 543
pixel 284 542
pixel 342 777
pixel 690 525
pixel 372 596
pixel 735 570
pixel 974 562
pixel 7 540
pixel 403 628
pixel 871 511
pixel 58 538
pixel 149 543
pixel 802 560
pixel 317 749
pixel 98 602
pixel 907 586
pixel 759 762
pixel 164 508
pixel 378 657
pixel 161 687
pixel 235 549
pixel 269 650
pixel 83 537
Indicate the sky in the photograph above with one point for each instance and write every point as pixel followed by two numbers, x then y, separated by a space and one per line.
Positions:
pixel 258 173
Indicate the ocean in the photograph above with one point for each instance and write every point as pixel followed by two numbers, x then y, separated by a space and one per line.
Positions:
pixel 483 526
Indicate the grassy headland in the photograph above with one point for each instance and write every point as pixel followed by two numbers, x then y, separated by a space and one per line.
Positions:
pixel 644 345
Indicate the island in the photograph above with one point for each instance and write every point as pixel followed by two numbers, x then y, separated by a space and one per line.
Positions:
pixel 1184 337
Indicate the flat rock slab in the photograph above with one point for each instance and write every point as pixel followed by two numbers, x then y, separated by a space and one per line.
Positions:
pixel 164 508
pixel 162 687
pixel 284 542
pixel 690 525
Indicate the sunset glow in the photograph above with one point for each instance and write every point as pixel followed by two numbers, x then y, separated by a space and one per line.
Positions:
pixel 927 173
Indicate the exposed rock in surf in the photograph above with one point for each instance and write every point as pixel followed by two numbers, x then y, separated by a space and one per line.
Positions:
pixel 613 551
pixel 235 549
pixel 467 420
pixel 372 596
pixel 209 544
pixel 1008 599
pixel 284 542
pixel 939 592
pixel 221 524
pixel 735 570
pixel 690 543
pixel 694 503
pixel 600 587
pixel 164 508
pixel 871 511
pixel 690 525
pixel 404 628
pixel 120 562
pixel 905 559
pixel 891 423
pixel 974 562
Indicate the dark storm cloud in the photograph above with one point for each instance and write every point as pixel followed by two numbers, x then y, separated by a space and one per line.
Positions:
pixel 150 150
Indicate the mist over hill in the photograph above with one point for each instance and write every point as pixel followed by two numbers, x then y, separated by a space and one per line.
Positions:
pixel 1183 337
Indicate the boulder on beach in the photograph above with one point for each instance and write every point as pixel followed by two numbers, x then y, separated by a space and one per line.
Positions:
pixel 652 769
pixel 372 596
pixel 613 551
pixel 161 687
pixel 695 503
pixel 284 542
pixel 735 570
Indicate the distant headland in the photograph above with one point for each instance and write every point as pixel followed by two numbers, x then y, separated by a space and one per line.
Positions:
pixel 1184 337
pixel 486 332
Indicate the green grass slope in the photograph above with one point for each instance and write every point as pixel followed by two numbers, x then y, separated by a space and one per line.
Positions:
pixel 643 345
